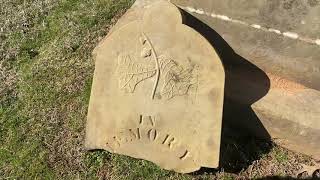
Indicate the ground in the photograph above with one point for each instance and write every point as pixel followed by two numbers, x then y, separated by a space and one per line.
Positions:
pixel 46 70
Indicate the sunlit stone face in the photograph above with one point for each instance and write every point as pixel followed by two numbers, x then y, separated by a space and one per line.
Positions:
pixel 157 92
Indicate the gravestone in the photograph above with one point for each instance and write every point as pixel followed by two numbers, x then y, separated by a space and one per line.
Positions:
pixel 157 92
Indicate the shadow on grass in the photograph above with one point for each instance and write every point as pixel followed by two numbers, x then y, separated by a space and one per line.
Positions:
pixel 284 178
pixel 244 138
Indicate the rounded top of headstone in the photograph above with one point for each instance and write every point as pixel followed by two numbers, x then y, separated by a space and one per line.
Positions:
pixel 162 14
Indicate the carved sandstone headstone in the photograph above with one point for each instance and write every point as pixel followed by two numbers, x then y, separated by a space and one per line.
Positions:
pixel 157 93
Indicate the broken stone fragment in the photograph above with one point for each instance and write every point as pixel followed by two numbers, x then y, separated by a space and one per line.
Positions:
pixel 157 92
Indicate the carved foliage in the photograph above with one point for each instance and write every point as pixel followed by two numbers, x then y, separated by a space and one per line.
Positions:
pixel 178 81
pixel 132 73
pixel 174 79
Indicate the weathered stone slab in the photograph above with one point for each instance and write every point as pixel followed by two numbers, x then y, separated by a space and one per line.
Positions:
pixel 279 81
pixel 157 92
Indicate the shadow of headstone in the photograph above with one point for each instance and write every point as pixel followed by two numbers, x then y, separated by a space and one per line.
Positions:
pixel 244 138
pixel 286 178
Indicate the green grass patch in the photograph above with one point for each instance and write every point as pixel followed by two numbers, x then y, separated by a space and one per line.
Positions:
pixel 43 117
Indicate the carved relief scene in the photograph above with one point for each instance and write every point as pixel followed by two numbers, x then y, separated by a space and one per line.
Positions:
pixel 157 92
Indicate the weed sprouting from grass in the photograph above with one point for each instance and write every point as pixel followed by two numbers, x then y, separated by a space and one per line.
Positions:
pixel 280 155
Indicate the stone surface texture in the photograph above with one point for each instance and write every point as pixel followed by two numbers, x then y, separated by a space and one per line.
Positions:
pixel 281 38
pixel 158 91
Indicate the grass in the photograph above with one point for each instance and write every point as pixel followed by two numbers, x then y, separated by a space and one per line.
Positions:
pixel 46 71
